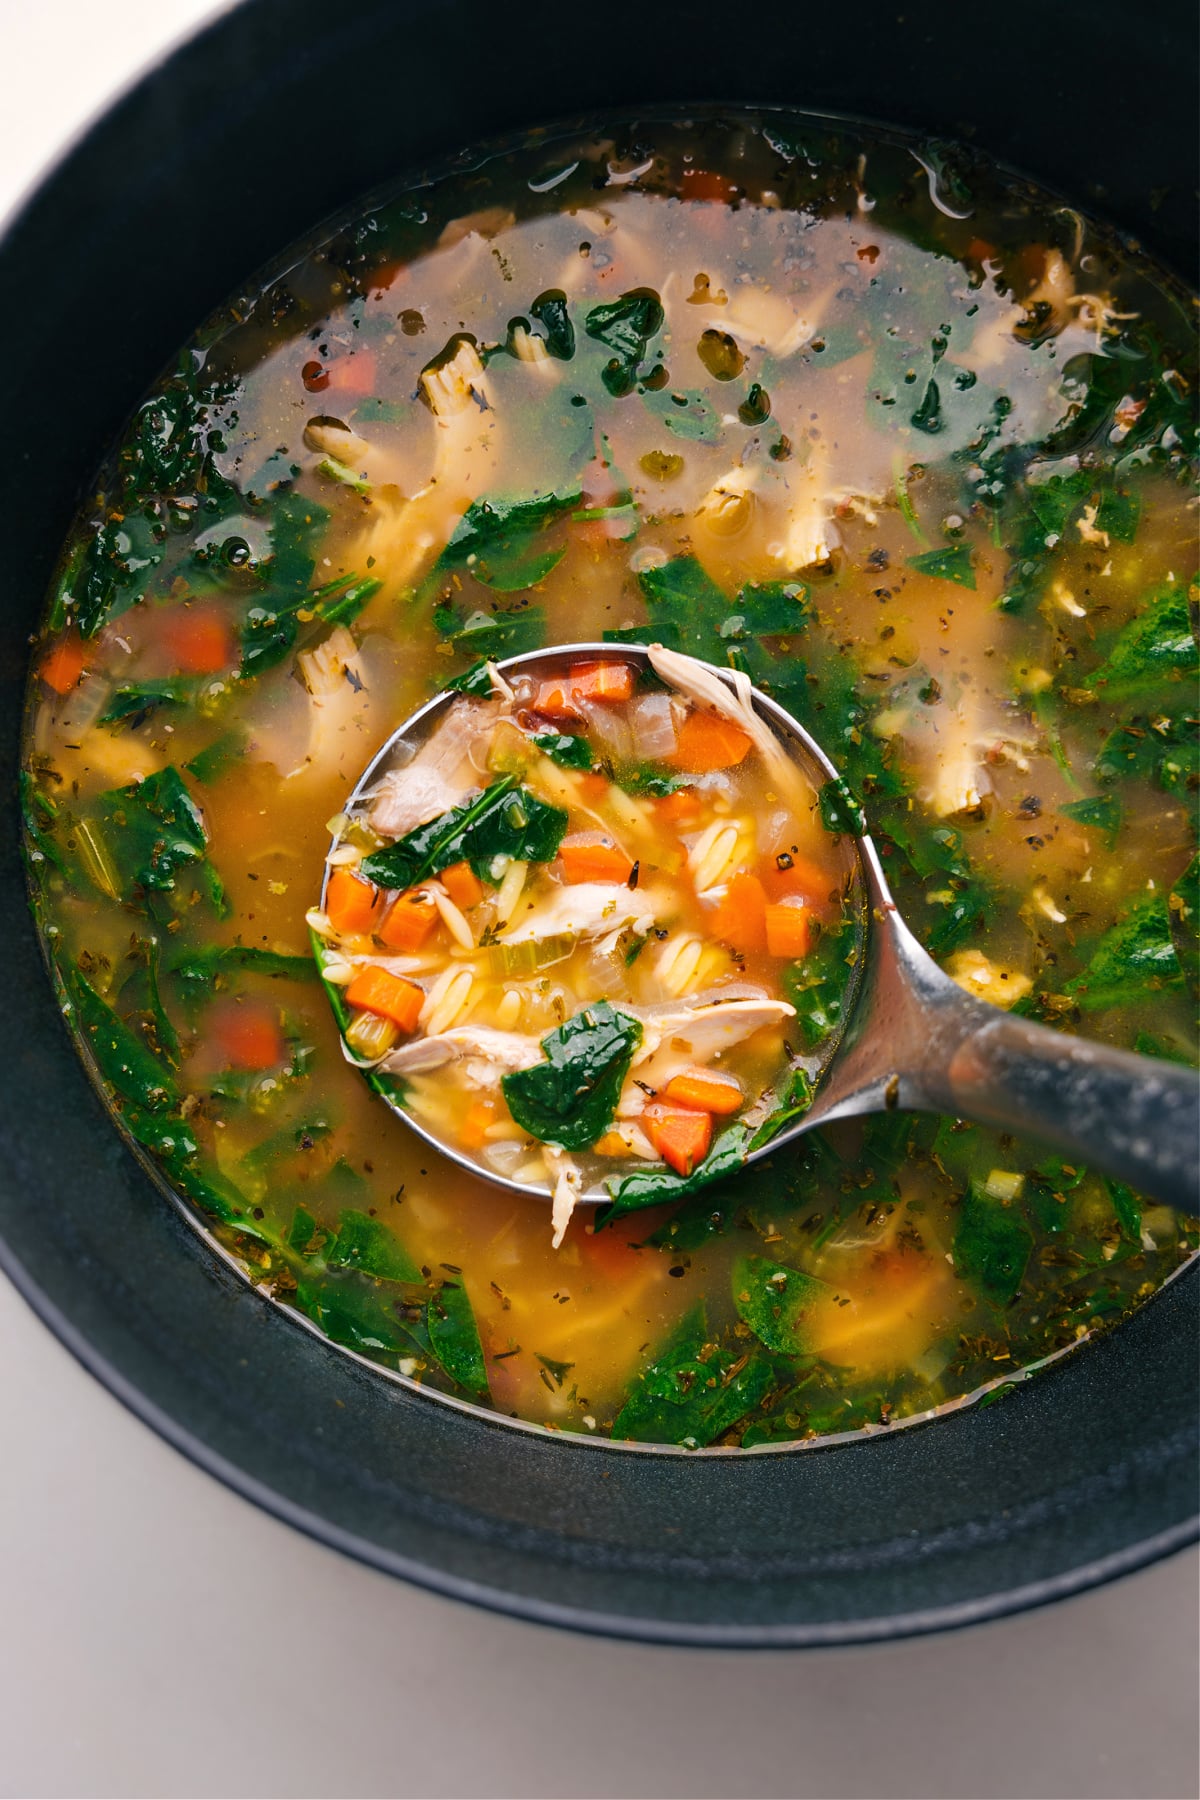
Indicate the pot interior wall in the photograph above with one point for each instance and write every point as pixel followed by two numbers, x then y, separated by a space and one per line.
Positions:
pixel 279 115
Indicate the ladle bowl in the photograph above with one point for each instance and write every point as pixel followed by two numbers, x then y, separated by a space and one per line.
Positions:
pixel 910 1038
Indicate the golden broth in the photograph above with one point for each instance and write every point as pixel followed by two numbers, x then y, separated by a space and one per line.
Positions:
pixel 761 395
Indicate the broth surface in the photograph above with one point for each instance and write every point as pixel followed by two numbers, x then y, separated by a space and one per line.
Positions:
pixel 910 445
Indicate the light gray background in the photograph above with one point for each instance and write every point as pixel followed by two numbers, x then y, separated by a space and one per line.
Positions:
pixel 160 1637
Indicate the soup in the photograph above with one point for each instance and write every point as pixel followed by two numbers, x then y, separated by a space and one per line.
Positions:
pixel 627 860
pixel 908 446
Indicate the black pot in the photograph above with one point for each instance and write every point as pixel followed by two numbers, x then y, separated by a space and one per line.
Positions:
pixel 281 113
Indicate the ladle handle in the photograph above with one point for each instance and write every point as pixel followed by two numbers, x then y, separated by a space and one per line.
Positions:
pixel 1134 1117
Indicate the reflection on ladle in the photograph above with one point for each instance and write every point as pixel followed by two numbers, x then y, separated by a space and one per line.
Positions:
pixel 911 1038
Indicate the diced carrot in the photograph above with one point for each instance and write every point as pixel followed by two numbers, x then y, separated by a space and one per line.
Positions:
pixel 64 663
pixel 592 859
pixel 740 917
pixel 707 741
pixel 709 1089
pixel 244 1034
pixel 350 903
pixel 199 640
pixel 799 876
pixel 478 1117
pixel 680 1134
pixel 602 681
pixel 789 929
pixel 352 374
pixel 408 921
pixel 675 808
pixel 463 885
pixel 560 695
pixel 390 996
pixel 707 184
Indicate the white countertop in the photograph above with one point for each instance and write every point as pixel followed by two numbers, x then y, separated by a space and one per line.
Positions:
pixel 161 1637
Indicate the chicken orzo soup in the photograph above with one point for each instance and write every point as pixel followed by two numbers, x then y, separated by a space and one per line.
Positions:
pixel 903 443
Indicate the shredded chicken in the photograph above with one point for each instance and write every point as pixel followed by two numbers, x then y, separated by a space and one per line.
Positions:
pixel 701 684
pixel 440 775
pixel 587 909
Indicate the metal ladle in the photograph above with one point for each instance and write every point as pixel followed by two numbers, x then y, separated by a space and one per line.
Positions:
pixel 914 1041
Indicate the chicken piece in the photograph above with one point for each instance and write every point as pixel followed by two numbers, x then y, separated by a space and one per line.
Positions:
pixel 440 775
pixel 568 1185
pixel 680 1037
pixel 978 975
pixel 486 1055
pixel 589 909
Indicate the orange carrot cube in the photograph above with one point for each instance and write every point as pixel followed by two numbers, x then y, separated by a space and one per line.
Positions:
pixel 593 859
pixel 790 929
pixel 740 917
pixel 706 741
pixel 408 921
pixel 63 663
pixel 463 885
pixel 351 903
pixel 680 1134
pixel 389 996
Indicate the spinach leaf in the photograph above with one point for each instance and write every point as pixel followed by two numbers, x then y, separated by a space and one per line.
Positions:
pixel 992 1245
pixel 154 832
pixel 817 985
pixel 1156 648
pixel 217 758
pixel 686 607
pixel 1136 957
pixel 364 1244
pixel 1101 813
pixel 692 1391
pixel 505 820
pixel 570 1098
pixel 477 680
pixel 657 1187
pixel 131 705
pixel 272 624
pixel 770 609
pixel 1165 750
pixel 794 1103
pixel 359 1314
pixel 841 811
pixel 951 563
pixel 569 752
pixel 141 1003
pixel 550 310
pixel 120 1055
pixel 493 635
pixel 113 571
pixel 625 326
pixel 454 1338
pixel 775 1300
pixel 1128 1212
pixel 201 970
pixel 502 542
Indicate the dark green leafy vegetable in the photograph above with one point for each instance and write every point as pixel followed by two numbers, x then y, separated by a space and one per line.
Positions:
pixel 1102 813
pixel 693 1390
pixel 951 563
pixel 686 414
pixel 505 820
pixel 271 625
pixel 657 1187
pixel 1165 750
pixel 992 1245
pixel 122 1058
pixel 817 986
pixel 493 635
pixel 570 752
pixel 1135 958
pixel 365 1244
pixel 625 326
pixel 140 1003
pixel 454 1338
pixel 550 310
pixel 840 810
pixel 130 705
pixel 217 758
pixel 504 542
pixel 570 1098
pixel 796 1100
pixel 154 833
pixel 200 970
pixel 774 1301
pixel 1157 647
